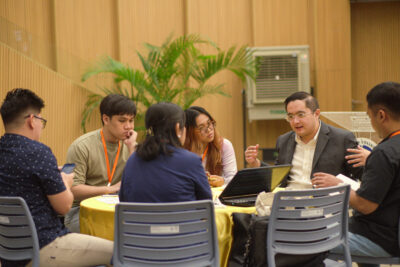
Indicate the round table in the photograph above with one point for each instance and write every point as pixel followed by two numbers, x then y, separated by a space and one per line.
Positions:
pixel 97 219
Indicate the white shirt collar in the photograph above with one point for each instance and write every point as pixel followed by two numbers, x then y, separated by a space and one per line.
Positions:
pixel 312 141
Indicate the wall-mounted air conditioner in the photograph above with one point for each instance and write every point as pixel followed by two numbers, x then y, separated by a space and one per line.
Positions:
pixel 282 71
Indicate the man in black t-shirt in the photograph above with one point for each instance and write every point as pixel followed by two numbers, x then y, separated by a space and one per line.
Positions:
pixel 373 229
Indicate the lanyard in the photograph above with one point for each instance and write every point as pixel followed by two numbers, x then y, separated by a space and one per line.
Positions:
pixel 395 133
pixel 204 154
pixel 108 163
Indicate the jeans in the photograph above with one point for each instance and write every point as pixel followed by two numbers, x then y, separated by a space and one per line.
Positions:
pixel 362 246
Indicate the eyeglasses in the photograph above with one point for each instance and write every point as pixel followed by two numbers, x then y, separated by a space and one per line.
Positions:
pixel 299 115
pixel 44 121
pixel 204 129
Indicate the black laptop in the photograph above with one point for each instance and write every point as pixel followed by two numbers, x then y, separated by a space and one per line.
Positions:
pixel 248 183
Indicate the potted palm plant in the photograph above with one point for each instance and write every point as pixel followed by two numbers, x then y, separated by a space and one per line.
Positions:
pixel 177 71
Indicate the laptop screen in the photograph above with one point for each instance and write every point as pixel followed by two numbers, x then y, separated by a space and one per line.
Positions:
pixel 255 180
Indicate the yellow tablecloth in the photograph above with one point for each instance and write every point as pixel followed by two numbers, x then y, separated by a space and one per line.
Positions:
pixel 97 219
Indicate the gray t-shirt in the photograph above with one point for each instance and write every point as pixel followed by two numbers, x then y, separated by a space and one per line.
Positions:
pixel 87 152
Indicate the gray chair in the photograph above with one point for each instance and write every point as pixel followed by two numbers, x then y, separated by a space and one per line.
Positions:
pixel 18 237
pixel 165 234
pixel 371 260
pixel 308 222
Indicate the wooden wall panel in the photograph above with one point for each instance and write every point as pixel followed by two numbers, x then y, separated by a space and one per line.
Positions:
pixel 332 54
pixel 375 29
pixel 227 23
pixel 28 27
pixel 85 31
pixel 64 100
pixel 279 23
pixel 282 22
pixel 149 21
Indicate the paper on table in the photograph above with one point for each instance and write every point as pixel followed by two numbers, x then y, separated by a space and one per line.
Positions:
pixel 109 199
pixel 353 184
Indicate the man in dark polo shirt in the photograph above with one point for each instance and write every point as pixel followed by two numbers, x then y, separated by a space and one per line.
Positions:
pixel 28 169
pixel 373 228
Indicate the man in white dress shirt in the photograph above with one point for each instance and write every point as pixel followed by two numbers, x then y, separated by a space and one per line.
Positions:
pixel 313 148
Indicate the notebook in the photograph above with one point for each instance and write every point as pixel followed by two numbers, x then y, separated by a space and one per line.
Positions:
pixel 248 183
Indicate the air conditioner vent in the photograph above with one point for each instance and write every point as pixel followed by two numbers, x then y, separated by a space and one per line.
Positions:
pixel 282 71
pixel 277 77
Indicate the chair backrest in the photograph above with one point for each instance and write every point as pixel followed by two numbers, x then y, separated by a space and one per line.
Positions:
pixel 18 237
pixel 308 221
pixel 165 234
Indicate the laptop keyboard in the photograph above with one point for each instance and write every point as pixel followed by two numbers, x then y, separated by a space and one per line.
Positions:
pixel 244 202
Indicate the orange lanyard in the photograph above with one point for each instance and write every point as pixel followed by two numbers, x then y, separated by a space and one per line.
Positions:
pixel 395 133
pixel 204 154
pixel 110 175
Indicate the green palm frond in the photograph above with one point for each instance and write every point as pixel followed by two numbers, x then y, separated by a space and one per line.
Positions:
pixel 177 71
pixel 92 103
pixel 193 94
pixel 104 65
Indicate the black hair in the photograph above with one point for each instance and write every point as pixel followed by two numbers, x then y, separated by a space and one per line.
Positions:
pixel 160 121
pixel 17 102
pixel 385 95
pixel 115 104
pixel 192 113
pixel 311 102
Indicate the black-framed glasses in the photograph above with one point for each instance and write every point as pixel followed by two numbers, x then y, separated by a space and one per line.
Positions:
pixel 43 120
pixel 204 129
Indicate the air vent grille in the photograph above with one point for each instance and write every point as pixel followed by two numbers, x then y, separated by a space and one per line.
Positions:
pixel 282 71
pixel 277 77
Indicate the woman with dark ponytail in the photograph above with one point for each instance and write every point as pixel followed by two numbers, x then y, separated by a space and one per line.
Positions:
pixel 161 170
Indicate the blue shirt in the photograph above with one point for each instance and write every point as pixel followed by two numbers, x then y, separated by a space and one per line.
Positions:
pixel 28 169
pixel 174 178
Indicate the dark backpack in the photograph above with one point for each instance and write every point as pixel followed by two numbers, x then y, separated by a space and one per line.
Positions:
pixel 249 245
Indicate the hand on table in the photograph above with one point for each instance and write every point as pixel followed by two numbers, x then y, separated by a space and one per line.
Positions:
pixel 215 180
pixel 113 188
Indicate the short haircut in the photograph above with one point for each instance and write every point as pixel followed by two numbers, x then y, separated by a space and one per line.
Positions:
pixel 387 96
pixel 115 104
pixel 17 102
pixel 311 102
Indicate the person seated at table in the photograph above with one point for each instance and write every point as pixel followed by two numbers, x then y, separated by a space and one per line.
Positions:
pixel 312 146
pixel 373 228
pixel 161 170
pixel 28 169
pixel 100 155
pixel 217 153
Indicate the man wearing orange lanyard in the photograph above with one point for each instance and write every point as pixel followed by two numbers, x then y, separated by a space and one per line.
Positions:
pixel 373 228
pixel 100 156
